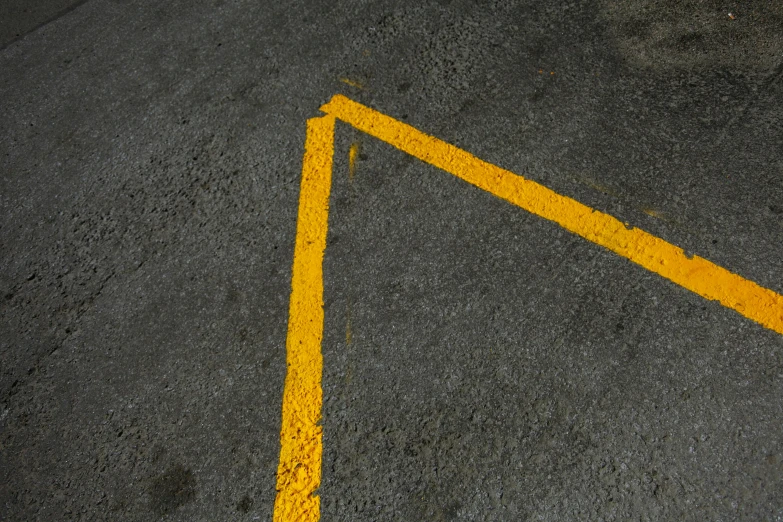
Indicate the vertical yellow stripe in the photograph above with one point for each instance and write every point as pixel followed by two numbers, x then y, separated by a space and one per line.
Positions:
pixel 696 274
pixel 299 469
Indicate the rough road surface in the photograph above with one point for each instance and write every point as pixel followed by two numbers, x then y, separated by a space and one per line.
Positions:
pixel 480 363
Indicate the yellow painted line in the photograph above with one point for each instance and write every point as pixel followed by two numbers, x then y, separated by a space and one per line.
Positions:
pixel 696 274
pixel 299 469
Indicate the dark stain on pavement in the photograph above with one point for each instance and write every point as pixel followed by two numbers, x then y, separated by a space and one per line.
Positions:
pixel 245 504
pixel 174 488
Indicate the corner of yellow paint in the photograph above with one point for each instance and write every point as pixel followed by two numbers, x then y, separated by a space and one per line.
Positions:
pixel 335 103
pixel 697 275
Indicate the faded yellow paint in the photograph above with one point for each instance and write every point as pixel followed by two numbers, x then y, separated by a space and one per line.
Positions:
pixel 299 469
pixel 348 327
pixel 696 274
pixel 595 185
pixel 353 155
pixel 352 83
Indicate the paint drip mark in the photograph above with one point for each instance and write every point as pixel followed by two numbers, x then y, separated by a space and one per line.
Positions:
pixel 353 155
pixel 349 323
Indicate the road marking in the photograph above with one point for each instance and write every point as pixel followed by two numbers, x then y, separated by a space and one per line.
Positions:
pixel 299 471
pixel 696 274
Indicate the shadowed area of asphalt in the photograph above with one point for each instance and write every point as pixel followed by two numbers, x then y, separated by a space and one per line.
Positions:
pixel 20 17
pixel 480 363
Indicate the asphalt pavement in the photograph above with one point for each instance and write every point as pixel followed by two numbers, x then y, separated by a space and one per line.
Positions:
pixel 479 362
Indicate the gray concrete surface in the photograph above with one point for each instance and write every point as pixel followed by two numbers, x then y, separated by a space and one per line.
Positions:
pixel 498 367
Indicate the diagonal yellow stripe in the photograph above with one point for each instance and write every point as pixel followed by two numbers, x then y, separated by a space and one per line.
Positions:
pixel 299 469
pixel 696 274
